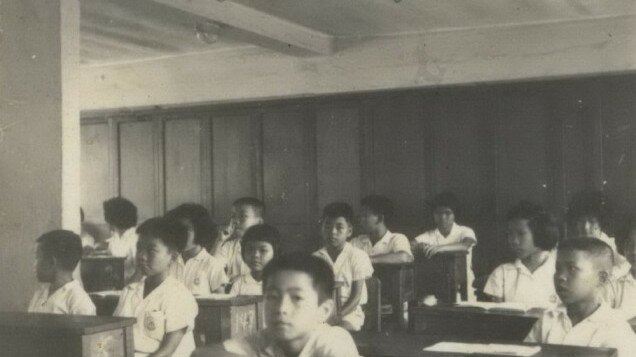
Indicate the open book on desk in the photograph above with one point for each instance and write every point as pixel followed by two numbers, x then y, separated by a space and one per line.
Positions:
pixel 484 348
pixel 496 306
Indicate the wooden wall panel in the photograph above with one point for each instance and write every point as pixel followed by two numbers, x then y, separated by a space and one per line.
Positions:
pixel 236 166
pixel 95 169
pixel 137 166
pixel 288 176
pixel 183 162
pixel 338 155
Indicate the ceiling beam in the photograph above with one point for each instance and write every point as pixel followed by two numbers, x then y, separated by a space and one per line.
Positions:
pixel 252 20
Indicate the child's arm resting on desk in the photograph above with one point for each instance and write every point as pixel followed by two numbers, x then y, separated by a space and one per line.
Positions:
pixel 392 258
pixel 463 246
pixel 169 343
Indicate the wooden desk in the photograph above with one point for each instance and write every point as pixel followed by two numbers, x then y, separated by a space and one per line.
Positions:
pixel 397 289
pixel 441 275
pixel 29 334
pixel 448 321
pixel 408 345
pixel 100 273
pixel 219 320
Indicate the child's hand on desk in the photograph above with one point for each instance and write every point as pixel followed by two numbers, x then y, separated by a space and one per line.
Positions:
pixel 431 250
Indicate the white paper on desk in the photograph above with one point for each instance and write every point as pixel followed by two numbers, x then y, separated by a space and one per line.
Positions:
pixel 495 305
pixel 215 296
pixel 107 293
pixel 482 348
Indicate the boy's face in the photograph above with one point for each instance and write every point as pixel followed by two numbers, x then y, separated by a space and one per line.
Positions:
pixel 520 238
pixel 153 256
pixel 444 218
pixel 335 231
pixel 257 255
pixel 243 217
pixel 588 227
pixel 577 277
pixel 630 247
pixel 292 307
pixel 44 266
pixel 368 220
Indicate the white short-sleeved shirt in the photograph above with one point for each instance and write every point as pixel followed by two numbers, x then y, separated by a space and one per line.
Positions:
pixel 230 251
pixel 621 295
pixel 169 307
pixel 202 274
pixel 325 341
pixel 603 328
pixel 70 299
pixel 352 264
pixel 457 235
pixel 87 240
pixel 389 243
pixel 513 282
pixel 621 265
pixel 125 245
pixel 247 285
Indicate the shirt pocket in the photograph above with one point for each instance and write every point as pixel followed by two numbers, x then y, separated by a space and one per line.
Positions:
pixel 154 324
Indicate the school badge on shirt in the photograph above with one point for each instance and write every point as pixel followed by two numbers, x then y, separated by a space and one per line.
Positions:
pixel 149 323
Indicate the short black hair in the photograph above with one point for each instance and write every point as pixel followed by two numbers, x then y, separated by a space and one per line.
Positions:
pixel 596 248
pixel 204 227
pixel 338 209
pixel 262 233
pixel 545 231
pixel 257 205
pixel 171 232
pixel 120 213
pixel 589 203
pixel 318 269
pixel 379 205
pixel 65 246
pixel 445 199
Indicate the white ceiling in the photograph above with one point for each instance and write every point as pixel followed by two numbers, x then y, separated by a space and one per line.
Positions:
pixel 128 30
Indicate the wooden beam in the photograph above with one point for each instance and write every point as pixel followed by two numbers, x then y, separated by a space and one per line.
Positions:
pixel 252 20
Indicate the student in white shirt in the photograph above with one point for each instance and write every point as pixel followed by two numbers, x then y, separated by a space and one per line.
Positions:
pixel 351 265
pixel 88 241
pixel 620 294
pixel 532 235
pixel 201 272
pixel 588 212
pixel 260 244
pixel 583 266
pixel 246 212
pixel 164 308
pixel 57 255
pixel 448 236
pixel 121 216
pixel 382 245
pixel 297 304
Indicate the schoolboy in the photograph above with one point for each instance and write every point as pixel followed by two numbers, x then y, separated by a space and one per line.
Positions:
pixel 57 255
pixel 620 294
pixel 246 212
pixel 121 216
pixel 199 271
pixel 448 236
pixel 382 245
pixel 583 266
pixel 351 265
pixel 260 244
pixel 297 290
pixel 164 308
pixel 532 236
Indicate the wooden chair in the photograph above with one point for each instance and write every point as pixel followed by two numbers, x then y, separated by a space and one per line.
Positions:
pixel 372 310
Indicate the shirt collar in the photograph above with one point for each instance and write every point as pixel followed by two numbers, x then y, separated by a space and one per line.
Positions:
pixel 602 313
pixel 386 238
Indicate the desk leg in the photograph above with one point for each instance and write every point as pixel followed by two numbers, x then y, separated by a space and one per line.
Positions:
pixel 129 342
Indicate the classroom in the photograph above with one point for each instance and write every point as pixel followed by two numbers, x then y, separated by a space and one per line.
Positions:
pixel 388 178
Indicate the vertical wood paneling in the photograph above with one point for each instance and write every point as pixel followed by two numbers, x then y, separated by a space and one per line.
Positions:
pixel 137 165
pixel 95 169
pixel 183 161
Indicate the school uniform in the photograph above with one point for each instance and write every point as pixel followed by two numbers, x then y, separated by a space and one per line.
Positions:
pixel 621 295
pixel 247 285
pixel 201 274
pixel 324 341
pixel 352 264
pixel 603 328
pixel 514 282
pixel 70 299
pixel 621 265
pixel 169 307
pixel 230 251
pixel 125 245
pixel 389 243
pixel 457 235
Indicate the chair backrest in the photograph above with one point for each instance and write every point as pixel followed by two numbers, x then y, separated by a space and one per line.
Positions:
pixel 373 308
